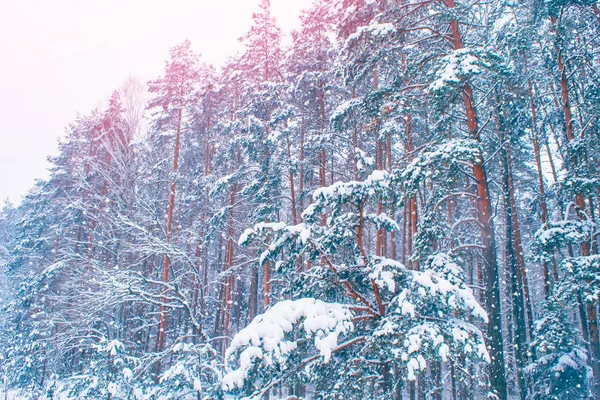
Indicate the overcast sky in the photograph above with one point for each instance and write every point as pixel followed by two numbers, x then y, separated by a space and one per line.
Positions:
pixel 60 57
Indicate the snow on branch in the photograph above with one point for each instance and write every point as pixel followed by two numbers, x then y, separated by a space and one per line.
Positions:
pixel 460 65
pixel 344 192
pixel 371 34
pixel 450 154
pixel 441 282
pixel 264 340
pixel 429 312
pixel 552 235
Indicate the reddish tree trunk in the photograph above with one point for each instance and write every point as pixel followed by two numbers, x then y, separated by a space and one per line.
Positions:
pixel 392 210
pixel 412 211
pixel 292 187
pixel 162 321
pixel 379 234
pixel 354 140
pixel 323 164
pixel 229 256
pixel 267 284
pixel 484 216
pixel 301 170
pixel 541 187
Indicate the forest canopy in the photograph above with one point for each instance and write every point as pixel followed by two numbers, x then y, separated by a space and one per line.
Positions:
pixel 400 202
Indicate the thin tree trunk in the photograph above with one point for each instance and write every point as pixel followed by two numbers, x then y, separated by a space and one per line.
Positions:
pixel 436 380
pixel 484 215
pixel 354 139
pixel 412 211
pixel 323 164
pixel 379 235
pixel 267 284
pixel 392 210
pixel 379 238
pixel 405 233
pixel 411 229
pixel 229 258
pixel 518 245
pixel 253 293
pixel 301 170
pixel 541 186
pixel 517 289
pixel 162 322
pixel 292 186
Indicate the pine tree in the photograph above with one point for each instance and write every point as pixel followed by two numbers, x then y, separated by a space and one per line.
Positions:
pixel 173 96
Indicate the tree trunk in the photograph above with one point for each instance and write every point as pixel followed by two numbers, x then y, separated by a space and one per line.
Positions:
pixel 292 186
pixel 518 245
pixel 412 212
pixel 392 254
pixel 379 235
pixel 229 256
pixel 484 216
pixel 323 164
pixel 541 187
pixel 516 287
pixel 354 139
pixel 162 321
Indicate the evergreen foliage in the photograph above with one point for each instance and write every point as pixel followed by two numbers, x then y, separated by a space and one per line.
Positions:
pixel 401 202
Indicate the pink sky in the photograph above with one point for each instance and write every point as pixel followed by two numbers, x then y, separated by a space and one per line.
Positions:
pixel 61 57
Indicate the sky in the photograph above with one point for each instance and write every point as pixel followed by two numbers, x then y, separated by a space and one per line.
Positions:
pixel 61 57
